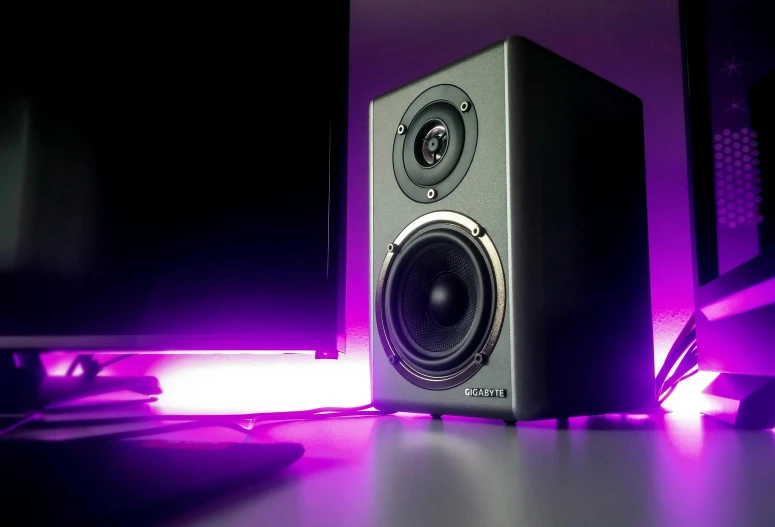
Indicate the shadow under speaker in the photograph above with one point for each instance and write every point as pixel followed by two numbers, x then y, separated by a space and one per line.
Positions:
pixel 509 242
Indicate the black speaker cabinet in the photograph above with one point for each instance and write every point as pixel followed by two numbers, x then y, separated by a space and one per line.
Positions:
pixel 509 242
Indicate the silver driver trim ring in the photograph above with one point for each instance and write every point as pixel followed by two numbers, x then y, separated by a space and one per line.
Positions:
pixel 480 235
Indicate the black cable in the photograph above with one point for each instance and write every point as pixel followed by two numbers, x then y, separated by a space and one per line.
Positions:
pixel 190 425
pixel 73 365
pixel 682 354
pixel 212 420
pixel 683 371
pixel 91 368
pixel 114 360
pixel 136 433
pixel 672 388
pixel 686 367
pixel 20 423
pixel 684 340
pixel 673 358
pixel 688 361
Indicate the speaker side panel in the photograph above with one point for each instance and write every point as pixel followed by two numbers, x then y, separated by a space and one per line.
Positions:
pixel 582 273
pixel 481 195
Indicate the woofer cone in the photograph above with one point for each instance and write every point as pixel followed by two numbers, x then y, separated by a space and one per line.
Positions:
pixel 439 305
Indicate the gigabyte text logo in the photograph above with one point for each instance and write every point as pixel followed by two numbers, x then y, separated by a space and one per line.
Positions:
pixel 485 392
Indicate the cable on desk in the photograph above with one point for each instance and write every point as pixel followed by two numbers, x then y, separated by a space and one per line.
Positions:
pixel 681 361
pixel 91 368
pixel 20 423
pixel 191 425
pixel 198 421
pixel 670 390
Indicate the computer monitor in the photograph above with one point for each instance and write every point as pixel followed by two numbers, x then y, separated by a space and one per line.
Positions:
pixel 729 72
pixel 174 179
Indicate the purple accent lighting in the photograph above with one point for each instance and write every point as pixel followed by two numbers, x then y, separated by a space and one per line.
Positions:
pixel 635 46
pixel 759 295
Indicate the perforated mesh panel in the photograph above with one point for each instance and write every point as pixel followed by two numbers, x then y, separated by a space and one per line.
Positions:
pixel 738 182
pixel 414 300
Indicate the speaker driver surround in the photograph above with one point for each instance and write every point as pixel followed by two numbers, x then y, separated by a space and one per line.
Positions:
pixel 440 300
pixel 436 146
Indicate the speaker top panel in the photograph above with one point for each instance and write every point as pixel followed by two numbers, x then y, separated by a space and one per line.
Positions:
pixel 435 143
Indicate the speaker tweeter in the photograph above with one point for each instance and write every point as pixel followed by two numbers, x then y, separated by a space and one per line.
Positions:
pixel 435 143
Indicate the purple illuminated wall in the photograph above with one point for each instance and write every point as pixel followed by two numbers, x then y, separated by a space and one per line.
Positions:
pixel 633 44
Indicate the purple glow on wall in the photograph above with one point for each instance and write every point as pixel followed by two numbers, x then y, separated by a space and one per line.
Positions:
pixel 634 45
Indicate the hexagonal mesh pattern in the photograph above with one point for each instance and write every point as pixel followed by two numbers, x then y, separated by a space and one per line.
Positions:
pixel 738 181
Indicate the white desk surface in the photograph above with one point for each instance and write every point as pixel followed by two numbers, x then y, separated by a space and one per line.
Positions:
pixel 403 471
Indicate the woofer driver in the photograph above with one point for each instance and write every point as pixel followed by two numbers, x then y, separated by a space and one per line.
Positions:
pixel 440 300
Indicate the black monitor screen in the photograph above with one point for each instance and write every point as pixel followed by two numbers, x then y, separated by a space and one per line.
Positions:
pixel 169 174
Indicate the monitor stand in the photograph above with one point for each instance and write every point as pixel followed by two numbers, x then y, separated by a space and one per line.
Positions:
pixel 743 401
pixel 26 387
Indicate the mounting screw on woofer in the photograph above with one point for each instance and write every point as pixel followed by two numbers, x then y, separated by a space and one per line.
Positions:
pixel 479 358
pixel 393 359
pixel 391 247
pixel 431 193
pixel 465 106
pixel 401 129
pixel 476 231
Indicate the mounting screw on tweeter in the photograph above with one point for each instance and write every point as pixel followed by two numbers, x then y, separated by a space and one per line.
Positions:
pixel 431 193
pixel 401 129
pixel 465 106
